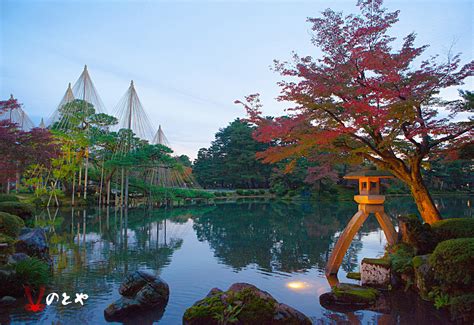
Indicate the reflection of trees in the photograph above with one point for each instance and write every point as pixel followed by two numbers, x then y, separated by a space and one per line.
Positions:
pixel 350 262
pixel 92 251
pixel 275 236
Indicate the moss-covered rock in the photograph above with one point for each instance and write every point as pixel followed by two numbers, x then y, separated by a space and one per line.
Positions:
pixel 351 293
pixel 242 303
pixel 346 297
pixel 423 275
pixel 453 264
pixel 454 228
pixel 23 210
pixel 8 198
pixel 10 224
pixel 416 234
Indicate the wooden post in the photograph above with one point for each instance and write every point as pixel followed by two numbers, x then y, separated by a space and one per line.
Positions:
pixel 73 188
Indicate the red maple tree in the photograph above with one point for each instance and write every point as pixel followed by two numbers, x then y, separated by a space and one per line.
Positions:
pixel 20 149
pixel 364 98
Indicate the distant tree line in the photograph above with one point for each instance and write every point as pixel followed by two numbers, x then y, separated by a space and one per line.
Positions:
pixel 231 162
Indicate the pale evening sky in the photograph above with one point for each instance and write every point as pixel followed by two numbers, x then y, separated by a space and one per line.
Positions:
pixel 189 59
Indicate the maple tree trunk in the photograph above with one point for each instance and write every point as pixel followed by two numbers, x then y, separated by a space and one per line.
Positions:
pixel 413 178
pixel 424 202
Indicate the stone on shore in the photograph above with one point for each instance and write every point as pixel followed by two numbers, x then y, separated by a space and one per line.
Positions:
pixel 142 291
pixel 348 297
pixel 242 303
pixel 33 242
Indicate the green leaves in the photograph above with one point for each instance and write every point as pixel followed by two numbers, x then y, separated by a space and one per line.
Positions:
pixel 230 160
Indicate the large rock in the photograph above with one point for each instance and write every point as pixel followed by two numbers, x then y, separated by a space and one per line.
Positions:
pixel 416 234
pixel 7 301
pixel 424 277
pixel 375 272
pixel 17 257
pixel 33 242
pixel 346 297
pixel 242 303
pixel 142 292
pixel 10 286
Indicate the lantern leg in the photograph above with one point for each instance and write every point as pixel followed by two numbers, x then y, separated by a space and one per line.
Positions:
pixel 387 227
pixel 344 242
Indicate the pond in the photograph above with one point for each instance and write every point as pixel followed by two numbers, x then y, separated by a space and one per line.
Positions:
pixel 280 247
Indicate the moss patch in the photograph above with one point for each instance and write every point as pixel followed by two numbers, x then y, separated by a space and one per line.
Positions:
pixel 378 261
pixel 417 261
pixel 454 228
pixel 353 275
pixel 354 293
pixel 10 225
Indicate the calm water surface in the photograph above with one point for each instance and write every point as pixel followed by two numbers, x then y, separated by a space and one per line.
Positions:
pixel 280 247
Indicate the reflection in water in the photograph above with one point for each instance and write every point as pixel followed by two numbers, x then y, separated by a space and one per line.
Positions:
pixel 280 247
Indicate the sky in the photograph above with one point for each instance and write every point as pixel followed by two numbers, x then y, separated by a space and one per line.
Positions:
pixel 190 60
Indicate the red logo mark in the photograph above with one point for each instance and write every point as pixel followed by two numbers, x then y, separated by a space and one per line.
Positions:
pixel 34 307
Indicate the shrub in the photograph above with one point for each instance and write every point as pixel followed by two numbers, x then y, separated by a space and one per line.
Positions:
pixel 250 192
pixel 23 210
pixel 261 192
pixel 240 192
pixel 8 198
pixel 454 228
pixel 10 225
pixel 462 308
pixel 453 263
pixel 32 271
pixel 401 256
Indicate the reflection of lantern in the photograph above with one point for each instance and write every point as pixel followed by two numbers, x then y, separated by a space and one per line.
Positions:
pixel 370 201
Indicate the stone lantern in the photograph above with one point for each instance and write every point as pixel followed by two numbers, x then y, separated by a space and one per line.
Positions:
pixel 370 201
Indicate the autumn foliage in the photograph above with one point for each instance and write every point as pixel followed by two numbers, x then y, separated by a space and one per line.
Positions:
pixel 363 98
pixel 20 149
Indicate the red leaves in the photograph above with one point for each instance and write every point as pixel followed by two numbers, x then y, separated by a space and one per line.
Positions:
pixel 8 105
pixel 361 95
pixel 19 149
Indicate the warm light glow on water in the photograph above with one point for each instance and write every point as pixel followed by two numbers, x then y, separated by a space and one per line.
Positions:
pixel 298 285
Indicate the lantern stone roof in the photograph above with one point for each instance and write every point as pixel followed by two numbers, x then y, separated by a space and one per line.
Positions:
pixel 369 173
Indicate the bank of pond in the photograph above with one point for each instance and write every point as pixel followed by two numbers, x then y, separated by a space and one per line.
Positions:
pixel 151 264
